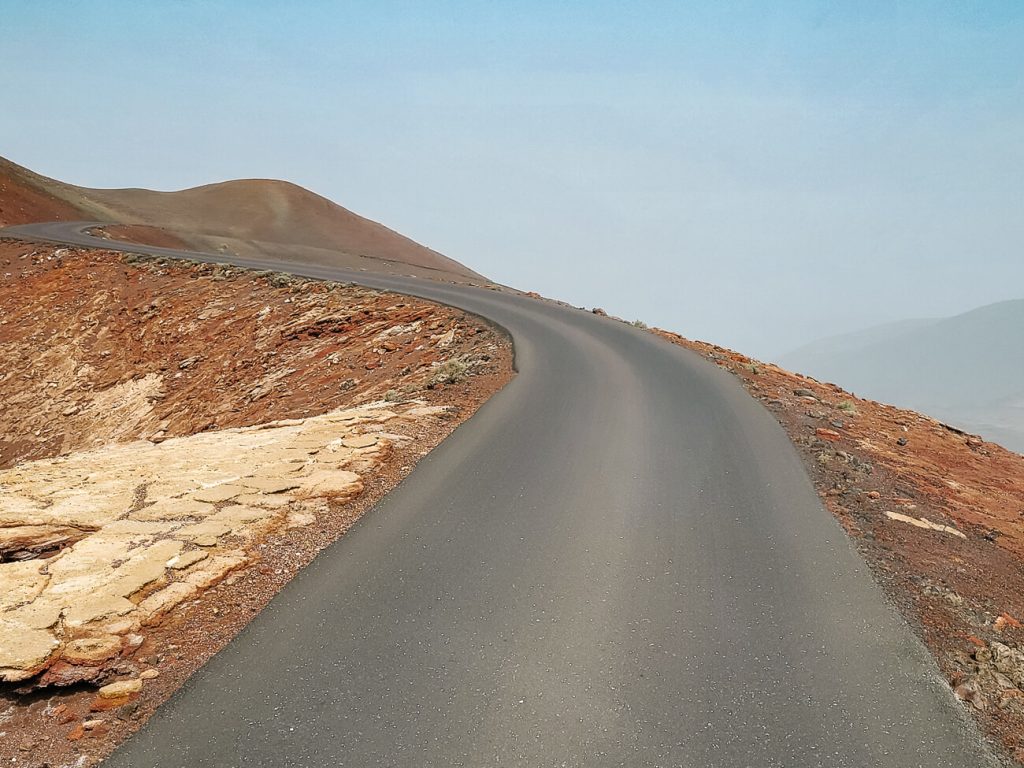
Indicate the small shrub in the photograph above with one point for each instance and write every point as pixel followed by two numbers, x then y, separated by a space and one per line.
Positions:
pixel 848 406
pixel 639 324
pixel 449 372
pixel 392 396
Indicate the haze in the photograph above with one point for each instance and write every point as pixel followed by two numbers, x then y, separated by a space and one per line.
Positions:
pixel 755 177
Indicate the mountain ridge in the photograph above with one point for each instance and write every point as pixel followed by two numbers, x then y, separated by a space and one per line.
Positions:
pixel 244 216
pixel 967 369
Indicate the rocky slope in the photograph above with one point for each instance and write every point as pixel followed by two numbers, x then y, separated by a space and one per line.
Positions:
pixel 250 217
pixel 179 440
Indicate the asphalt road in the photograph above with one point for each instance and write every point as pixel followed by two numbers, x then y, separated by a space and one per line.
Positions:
pixel 618 561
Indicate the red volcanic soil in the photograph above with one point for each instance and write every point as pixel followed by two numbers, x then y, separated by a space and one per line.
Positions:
pixel 228 348
pixel 23 200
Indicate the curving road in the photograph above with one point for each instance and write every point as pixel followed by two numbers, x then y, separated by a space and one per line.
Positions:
pixel 618 561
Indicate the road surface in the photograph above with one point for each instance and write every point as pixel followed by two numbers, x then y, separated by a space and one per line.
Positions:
pixel 618 561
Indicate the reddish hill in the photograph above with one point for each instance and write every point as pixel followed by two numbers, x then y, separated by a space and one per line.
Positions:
pixel 24 200
pixel 247 217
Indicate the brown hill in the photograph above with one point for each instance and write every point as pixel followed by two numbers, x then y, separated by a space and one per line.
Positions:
pixel 25 198
pixel 252 217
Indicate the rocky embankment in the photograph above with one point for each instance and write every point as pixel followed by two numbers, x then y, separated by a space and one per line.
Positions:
pixel 176 441
pixel 938 515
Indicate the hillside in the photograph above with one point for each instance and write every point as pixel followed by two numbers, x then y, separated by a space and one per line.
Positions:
pixel 966 369
pixel 246 217
pixel 131 384
pixel 25 197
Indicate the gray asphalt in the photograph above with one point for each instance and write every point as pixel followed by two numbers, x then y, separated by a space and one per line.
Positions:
pixel 618 561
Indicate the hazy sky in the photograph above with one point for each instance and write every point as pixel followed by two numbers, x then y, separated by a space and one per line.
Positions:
pixel 755 174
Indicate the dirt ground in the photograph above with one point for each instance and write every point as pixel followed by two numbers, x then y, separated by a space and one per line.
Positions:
pixel 108 362
pixel 938 514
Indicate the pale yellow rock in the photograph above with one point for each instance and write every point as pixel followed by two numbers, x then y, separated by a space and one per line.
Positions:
pixel 82 508
pixel 281 423
pixel 269 484
pixel 167 598
pixel 342 416
pixel 121 689
pixel 24 651
pixel 139 528
pixel 275 501
pixel 309 446
pixel 39 614
pixel 212 571
pixel 923 522
pixel 80 568
pixel 145 567
pixel 359 441
pixel 20 582
pixel 219 493
pixel 328 484
pixel 335 453
pixel 392 436
pixel 174 509
pixel 325 433
pixel 83 611
pixel 262 473
pixel 173 484
pixel 186 559
pixel 241 518
pixel 122 626
pixel 372 412
pixel 16 509
pixel 149 674
pixel 91 650
pixel 427 410
pixel 203 530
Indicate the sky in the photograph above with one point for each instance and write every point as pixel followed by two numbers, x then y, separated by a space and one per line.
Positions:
pixel 754 174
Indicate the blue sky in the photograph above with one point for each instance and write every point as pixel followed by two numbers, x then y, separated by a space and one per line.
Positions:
pixel 749 173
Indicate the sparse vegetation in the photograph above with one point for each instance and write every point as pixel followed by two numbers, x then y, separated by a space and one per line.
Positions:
pixel 848 407
pixel 639 324
pixel 449 372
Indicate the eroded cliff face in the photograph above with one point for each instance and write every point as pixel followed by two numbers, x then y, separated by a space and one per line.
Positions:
pixel 176 441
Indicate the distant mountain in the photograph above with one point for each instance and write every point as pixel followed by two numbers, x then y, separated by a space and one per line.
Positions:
pixel 967 369
pixel 248 217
